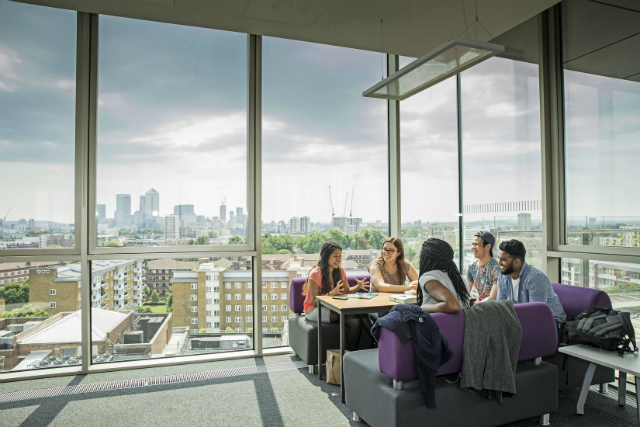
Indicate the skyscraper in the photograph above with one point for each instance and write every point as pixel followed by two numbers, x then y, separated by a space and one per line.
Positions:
pixel 294 225
pixel 150 203
pixel 524 221
pixel 101 211
pixel 239 216
pixel 186 213
pixel 171 227
pixel 305 224
pixel 223 212
pixel 123 208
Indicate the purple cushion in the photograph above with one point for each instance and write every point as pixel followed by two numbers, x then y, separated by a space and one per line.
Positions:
pixel 576 299
pixel 296 299
pixel 539 339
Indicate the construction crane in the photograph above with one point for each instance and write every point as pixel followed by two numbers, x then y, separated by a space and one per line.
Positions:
pixel 351 209
pixel 344 211
pixel 331 202
pixel 5 217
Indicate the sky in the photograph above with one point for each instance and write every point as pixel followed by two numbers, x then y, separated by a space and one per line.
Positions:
pixel 172 104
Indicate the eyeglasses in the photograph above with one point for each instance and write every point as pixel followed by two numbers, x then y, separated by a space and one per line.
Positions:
pixel 389 251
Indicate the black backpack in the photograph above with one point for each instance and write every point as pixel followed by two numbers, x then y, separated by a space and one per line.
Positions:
pixel 604 328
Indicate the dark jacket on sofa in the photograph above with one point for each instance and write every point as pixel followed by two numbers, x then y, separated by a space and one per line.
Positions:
pixel 430 349
pixel 492 337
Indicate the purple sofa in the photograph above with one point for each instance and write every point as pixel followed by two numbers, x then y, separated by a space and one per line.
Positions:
pixel 303 334
pixel 380 384
pixel 386 377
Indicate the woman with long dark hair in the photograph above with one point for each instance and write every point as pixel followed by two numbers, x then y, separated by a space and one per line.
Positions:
pixel 441 288
pixel 327 277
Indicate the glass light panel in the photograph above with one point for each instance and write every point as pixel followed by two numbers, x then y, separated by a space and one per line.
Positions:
pixel 448 59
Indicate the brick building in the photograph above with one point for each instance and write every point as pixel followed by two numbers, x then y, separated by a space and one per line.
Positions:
pixel 158 273
pixel 218 300
pixel 18 272
pixel 115 285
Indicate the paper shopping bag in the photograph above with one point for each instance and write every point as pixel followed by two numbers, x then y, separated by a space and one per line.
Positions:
pixel 333 366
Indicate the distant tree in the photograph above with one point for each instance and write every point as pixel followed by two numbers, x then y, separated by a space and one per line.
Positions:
pixel 146 291
pixel 123 232
pixel 203 330
pixel 25 311
pixel 228 329
pixel 169 303
pixel 237 240
pixel 411 253
pixel 202 240
pixel 56 246
pixel 337 235
pixel 154 296
pixel 191 242
pixel 15 293
pixel 312 242
pixel 143 309
pixel 213 234
pixel 110 244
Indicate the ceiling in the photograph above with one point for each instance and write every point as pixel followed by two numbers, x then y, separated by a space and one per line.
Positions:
pixel 409 27
pixel 602 37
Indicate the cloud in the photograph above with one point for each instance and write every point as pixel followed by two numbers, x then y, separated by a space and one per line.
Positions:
pixel 67 85
pixel 10 64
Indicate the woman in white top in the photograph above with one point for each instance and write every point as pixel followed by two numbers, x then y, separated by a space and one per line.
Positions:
pixel 441 288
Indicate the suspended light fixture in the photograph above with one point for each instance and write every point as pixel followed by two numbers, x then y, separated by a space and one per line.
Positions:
pixel 446 60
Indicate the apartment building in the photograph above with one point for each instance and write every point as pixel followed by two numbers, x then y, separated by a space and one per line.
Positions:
pixel 362 258
pixel 442 232
pixel 222 300
pixel 18 272
pixel 158 273
pixel 115 285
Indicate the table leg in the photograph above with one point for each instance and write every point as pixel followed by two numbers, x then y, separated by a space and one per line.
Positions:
pixel 622 388
pixel 341 356
pixel 319 339
pixel 586 383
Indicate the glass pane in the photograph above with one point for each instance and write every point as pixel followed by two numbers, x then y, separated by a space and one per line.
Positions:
pixel 429 168
pixel 37 126
pixel 501 155
pixel 172 143
pixel 149 308
pixel 602 154
pixel 40 324
pixel 324 166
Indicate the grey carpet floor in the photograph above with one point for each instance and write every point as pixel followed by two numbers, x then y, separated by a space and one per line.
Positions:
pixel 290 397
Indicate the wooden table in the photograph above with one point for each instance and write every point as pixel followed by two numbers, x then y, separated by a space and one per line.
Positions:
pixel 629 364
pixel 345 307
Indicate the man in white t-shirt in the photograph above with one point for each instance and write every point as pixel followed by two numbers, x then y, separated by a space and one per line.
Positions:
pixel 521 282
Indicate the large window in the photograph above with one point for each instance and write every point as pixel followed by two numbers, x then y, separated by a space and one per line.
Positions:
pixel 429 167
pixel 40 315
pixel 501 154
pixel 172 142
pixel 602 154
pixel 37 126
pixel 324 158
pixel 150 308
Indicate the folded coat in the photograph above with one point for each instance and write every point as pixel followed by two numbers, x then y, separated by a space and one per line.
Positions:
pixel 492 337
pixel 431 350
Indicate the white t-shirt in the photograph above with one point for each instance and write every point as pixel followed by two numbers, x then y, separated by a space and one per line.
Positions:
pixel 441 277
pixel 516 283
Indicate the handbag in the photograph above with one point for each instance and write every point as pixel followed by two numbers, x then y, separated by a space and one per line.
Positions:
pixel 333 366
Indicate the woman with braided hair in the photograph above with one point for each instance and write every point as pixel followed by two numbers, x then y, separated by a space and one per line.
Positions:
pixel 441 286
